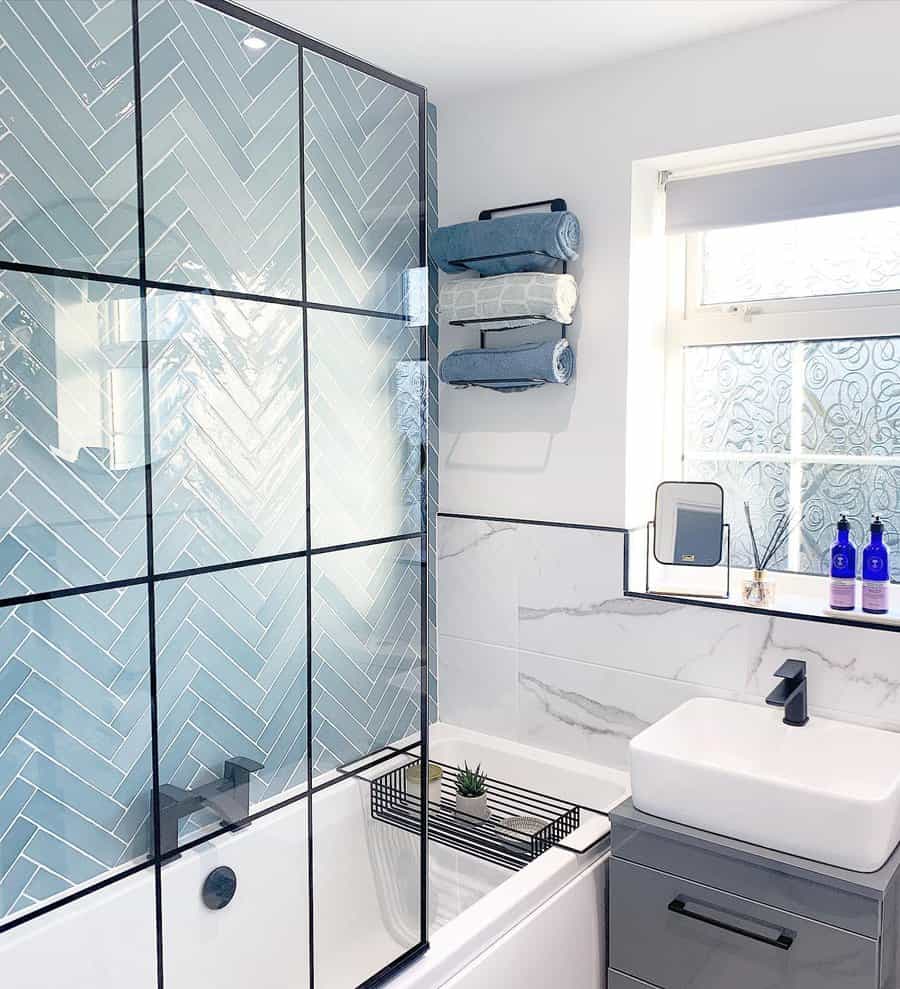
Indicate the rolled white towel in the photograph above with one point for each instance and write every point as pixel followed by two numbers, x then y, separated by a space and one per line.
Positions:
pixel 510 300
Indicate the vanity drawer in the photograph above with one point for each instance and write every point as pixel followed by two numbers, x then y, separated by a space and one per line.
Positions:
pixel 680 935
pixel 811 895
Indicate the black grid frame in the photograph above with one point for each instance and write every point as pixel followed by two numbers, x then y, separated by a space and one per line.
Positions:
pixel 158 859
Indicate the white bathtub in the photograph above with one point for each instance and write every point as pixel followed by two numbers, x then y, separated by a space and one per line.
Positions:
pixel 483 919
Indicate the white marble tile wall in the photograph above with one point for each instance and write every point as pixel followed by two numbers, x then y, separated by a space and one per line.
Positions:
pixel 538 643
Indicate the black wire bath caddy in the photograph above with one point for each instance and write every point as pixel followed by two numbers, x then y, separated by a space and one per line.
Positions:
pixel 523 823
pixel 557 205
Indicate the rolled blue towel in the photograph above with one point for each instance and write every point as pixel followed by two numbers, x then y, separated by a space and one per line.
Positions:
pixel 556 234
pixel 510 368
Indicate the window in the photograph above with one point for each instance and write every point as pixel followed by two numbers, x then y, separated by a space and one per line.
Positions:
pixel 784 360
pixel 810 258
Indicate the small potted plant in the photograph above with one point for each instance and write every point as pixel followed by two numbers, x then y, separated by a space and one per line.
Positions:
pixel 471 792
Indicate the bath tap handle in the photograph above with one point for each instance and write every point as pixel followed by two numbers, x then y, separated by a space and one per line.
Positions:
pixel 239 768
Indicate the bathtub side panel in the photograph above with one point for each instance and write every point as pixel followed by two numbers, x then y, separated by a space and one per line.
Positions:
pixel 105 939
pixel 261 937
pixel 562 943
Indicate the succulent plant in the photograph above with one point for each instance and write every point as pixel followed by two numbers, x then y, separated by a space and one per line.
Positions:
pixel 471 782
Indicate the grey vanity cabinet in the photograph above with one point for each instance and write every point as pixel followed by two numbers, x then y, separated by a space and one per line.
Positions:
pixel 692 910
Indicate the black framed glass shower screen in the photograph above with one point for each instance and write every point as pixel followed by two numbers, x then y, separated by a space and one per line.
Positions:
pixel 213 408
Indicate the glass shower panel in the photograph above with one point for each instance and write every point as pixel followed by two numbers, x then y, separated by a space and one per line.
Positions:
pixel 367 879
pixel 220 120
pixel 367 693
pixel 184 636
pixel 232 674
pixel 75 760
pixel 366 651
pixel 260 937
pixel 227 429
pixel 361 137
pixel 72 502
pixel 367 392
pixel 68 197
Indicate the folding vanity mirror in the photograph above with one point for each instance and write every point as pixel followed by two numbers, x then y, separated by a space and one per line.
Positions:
pixel 689 530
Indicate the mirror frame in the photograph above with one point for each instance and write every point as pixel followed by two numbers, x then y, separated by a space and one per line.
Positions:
pixel 722 526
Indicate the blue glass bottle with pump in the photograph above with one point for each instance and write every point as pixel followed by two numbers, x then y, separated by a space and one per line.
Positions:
pixel 842 593
pixel 876 571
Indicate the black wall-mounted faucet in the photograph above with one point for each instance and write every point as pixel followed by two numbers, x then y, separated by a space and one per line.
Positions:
pixel 791 692
pixel 229 797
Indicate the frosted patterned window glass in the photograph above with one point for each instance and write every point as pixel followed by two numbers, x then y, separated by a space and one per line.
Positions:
pixel 821 255
pixel 814 426
pixel 740 398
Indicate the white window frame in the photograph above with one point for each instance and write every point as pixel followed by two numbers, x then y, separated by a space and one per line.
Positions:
pixel 797 320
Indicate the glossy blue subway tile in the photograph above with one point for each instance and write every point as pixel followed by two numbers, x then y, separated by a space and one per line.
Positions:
pixel 220 112
pixel 65 860
pixel 13 883
pixel 68 751
pixel 14 841
pixel 44 884
pixel 63 106
pixel 53 816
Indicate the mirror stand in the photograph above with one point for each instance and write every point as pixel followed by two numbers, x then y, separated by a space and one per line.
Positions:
pixel 726 540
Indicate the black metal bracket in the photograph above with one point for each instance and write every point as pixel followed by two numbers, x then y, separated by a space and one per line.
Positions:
pixel 557 205
pixel 726 538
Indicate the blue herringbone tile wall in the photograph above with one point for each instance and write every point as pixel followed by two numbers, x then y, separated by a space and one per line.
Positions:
pixel 71 434
pixel 224 386
pixel 362 186
pixel 74 742
pixel 68 197
pixel 366 390
pixel 221 149
pixel 226 405
pixel 232 676
pixel 366 648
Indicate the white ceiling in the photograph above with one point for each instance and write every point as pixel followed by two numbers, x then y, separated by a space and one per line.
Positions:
pixel 455 46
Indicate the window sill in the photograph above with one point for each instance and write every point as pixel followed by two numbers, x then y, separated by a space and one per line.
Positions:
pixel 797 596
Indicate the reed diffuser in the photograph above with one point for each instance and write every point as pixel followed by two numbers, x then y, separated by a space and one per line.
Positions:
pixel 759 590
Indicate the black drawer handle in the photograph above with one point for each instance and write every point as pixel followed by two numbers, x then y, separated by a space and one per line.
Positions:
pixel 783 941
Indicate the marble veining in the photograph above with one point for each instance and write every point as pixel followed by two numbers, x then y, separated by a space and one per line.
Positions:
pixel 583 713
pixel 839 659
pixel 612 606
pixel 489 530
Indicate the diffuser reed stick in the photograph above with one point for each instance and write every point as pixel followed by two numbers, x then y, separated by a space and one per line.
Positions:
pixel 784 529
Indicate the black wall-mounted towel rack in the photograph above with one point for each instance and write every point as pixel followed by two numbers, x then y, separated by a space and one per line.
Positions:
pixel 557 205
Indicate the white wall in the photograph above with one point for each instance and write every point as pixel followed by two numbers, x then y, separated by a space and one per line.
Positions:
pixel 535 615
pixel 560 453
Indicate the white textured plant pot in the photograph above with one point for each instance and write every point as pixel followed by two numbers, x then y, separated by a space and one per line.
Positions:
pixel 473 806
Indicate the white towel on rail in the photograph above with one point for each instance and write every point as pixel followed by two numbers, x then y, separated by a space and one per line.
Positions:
pixel 510 300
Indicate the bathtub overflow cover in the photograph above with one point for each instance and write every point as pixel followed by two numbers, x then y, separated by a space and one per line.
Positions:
pixel 219 887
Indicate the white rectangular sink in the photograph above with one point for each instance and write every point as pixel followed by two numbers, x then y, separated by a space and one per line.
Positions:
pixel 828 791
